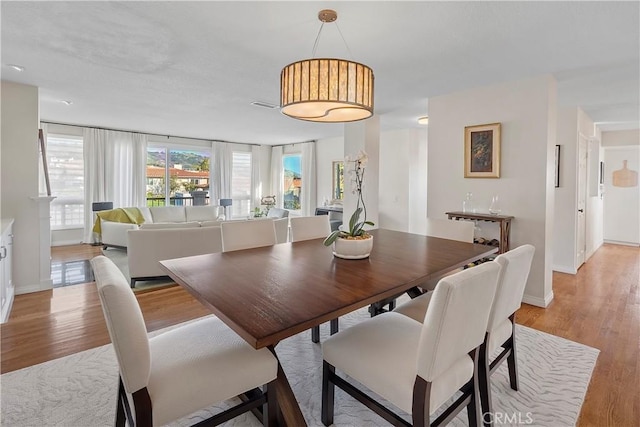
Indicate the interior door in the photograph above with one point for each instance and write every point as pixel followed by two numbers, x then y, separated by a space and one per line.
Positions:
pixel 581 223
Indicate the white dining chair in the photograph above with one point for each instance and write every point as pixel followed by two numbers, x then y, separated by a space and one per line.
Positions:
pixel 184 370
pixel 516 265
pixel 444 229
pixel 309 227
pixel 417 367
pixel 281 226
pixel 238 235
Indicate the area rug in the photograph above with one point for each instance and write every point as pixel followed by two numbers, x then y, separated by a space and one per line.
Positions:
pixel 80 390
pixel 119 258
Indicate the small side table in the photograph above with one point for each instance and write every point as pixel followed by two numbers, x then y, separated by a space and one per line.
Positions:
pixel 503 220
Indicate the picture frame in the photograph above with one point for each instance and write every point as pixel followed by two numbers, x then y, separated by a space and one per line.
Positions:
pixel 557 167
pixel 482 151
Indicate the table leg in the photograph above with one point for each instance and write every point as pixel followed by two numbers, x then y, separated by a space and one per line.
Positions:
pixel 290 412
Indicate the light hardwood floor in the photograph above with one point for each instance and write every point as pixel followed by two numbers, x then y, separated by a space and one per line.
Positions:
pixel 599 307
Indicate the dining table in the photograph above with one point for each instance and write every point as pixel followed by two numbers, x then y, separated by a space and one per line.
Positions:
pixel 270 293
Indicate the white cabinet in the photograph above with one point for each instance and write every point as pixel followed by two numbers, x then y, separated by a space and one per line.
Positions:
pixel 6 282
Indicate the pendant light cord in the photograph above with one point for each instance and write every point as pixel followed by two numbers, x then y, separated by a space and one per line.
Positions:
pixel 317 41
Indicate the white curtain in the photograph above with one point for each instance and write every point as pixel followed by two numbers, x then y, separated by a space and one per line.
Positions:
pixel 309 181
pixel 115 171
pixel 277 178
pixel 220 171
pixel 256 177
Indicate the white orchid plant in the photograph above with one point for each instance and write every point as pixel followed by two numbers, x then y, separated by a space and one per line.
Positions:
pixel 356 227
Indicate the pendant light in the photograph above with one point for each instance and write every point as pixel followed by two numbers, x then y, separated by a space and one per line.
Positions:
pixel 326 89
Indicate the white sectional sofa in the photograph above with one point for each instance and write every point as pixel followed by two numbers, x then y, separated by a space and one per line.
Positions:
pixel 148 247
pixel 115 233
pixel 156 241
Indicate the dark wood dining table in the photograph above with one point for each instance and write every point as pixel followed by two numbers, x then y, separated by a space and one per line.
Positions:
pixel 271 293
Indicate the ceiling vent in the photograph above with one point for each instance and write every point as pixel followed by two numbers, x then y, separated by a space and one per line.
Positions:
pixel 264 104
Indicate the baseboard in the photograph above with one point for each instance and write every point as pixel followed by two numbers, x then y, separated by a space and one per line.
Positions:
pixel 618 242
pixel 66 242
pixel 537 301
pixel 43 286
pixel 564 269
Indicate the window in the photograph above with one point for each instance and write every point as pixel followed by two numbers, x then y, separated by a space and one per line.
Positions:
pixel 292 173
pixel 241 184
pixel 66 175
pixel 182 180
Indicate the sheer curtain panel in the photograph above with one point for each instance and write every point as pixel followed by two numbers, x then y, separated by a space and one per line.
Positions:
pixel 115 171
pixel 220 175
pixel 309 186
pixel 277 178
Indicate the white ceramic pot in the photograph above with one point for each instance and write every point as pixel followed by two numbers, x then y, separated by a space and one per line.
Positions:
pixel 352 249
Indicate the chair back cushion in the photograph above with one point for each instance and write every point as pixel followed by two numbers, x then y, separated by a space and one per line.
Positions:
pixel 516 265
pixel 450 229
pixel 282 229
pixel 456 319
pixel 238 235
pixel 277 213
pixel 124 322
pixel 146 214
pixel 309 227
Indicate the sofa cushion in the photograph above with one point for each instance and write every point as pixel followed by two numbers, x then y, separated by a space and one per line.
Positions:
pixel 202 213
pixel 165 225
pixel 146 213
pixel 168 214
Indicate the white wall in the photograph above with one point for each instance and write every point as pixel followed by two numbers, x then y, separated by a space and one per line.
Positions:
pixel 565 205
pixel 573 122
pixel 403 183
pixel 327 151
pixel 621 137
pixel 402 199
pixel 527 111
pixel 19 183
pixel 621 204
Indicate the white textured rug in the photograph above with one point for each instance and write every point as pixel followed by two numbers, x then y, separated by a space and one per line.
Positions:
pixel 80 390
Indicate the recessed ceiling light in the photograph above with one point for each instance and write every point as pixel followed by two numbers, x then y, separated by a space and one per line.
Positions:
pixel 66 102
pixel 423 120
pixel 18 68
pixel 264 104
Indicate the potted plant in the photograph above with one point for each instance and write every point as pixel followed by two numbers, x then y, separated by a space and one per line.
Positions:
pixel 354 242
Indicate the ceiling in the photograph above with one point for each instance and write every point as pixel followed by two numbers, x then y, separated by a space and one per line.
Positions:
pixel 193 68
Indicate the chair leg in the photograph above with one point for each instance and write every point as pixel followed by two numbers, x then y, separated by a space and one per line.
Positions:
pixel 328 393
pixel 511 359
pixel 121 417
pixel 484 382
pixel 421 402
pixel 315 334
pixel 270 408
pixel 334 326
pixel 473 408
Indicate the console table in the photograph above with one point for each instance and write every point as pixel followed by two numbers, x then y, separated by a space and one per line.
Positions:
pixel 503 220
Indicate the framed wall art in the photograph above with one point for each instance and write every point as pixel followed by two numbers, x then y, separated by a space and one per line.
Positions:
pixel 482 151
pixel 557 168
